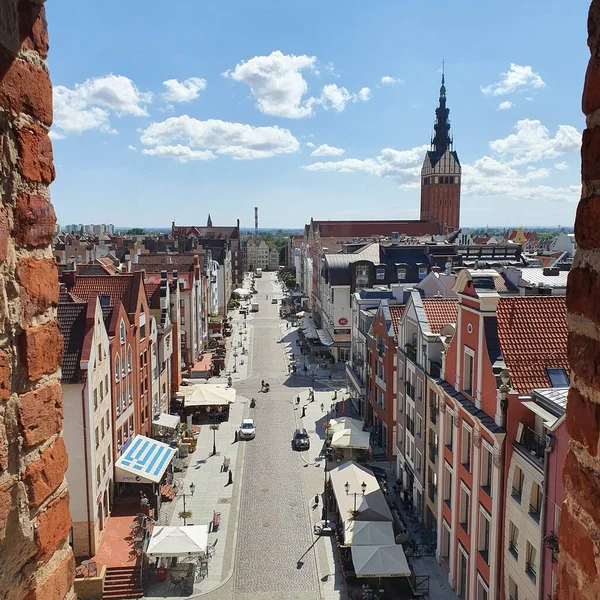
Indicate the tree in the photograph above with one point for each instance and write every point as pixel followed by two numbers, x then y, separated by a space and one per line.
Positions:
pixel 136 231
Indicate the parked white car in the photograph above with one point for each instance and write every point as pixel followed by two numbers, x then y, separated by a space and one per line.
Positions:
pixel 247 429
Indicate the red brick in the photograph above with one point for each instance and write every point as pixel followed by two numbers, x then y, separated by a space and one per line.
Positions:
pixel 26 88
pixel 41 413
pixel 45 475
pixel 583 353
pixel 583 421
pixel 35 153
pixel 5 376
pixel 591 88
pixel 6 491
pixel 40 350
pixel 53 527
pixel 58 584
pixel 33 26
pixel 567 588
pixel 593 26
pixel 34 221
pixel 4 233
pixel 586 229
pixel 3 448
pixel 583 485
pixel 575 540
pixel 583 287
pixel 38 281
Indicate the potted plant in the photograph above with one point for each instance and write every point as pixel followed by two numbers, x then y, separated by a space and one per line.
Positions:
pixel 185 514
pixel 353 514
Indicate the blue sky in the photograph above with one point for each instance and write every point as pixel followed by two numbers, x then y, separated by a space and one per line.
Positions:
pixel 173 110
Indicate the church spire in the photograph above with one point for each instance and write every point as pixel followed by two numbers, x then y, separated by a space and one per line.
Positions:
pixel 441 140
pixel 209 222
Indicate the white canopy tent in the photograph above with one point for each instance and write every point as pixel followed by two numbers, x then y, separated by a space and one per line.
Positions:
pixel 353 439
pixel 171 541
pixel 380 561
pixel 167 421
pixel 369 533
pixel 206 395
pixel 242 292
pixel 345 423
pixel 371 506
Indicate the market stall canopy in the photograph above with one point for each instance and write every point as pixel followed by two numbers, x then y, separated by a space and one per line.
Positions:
pixel 372 506
pixel 380 561
pixel 170 541
pixel 242 292
pixel 325 338
pixel 144 461
pixel 369 533
pixel 168 421
pixel 345 423
pixel 206 395
pixel 351 438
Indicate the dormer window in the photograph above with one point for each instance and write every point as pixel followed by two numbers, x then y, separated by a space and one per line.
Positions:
pixel 422 272
pixel 558 377
pixel 401 271
pixel 104 300
pixel 380 273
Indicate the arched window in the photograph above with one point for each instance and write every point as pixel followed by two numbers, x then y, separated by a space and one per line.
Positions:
pixel 129 358
pixel 117 367
pixel 122 331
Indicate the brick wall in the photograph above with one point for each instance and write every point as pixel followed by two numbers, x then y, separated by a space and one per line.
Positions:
pixel 579 531
pixel 35 558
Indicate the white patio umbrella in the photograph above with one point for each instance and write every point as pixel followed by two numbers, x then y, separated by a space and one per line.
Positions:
pixel 380 561
pixel 242 292
pixel 170 541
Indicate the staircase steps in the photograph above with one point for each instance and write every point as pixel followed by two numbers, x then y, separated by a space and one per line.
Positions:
pixel 122 583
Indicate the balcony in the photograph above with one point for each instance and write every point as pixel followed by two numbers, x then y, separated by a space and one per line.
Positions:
pixel 410 390
pixel 433 450
pixel 411 352
pixel 355 379
pixel 410 425
pixel 532 446
pixel 433 413
pixel 435 369
pixel 380 382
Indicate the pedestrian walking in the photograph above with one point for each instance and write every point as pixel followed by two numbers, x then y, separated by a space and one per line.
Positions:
pixel 303 412
pixel 235 436
pixel 230 478
pixel 322 407
pixel 297 400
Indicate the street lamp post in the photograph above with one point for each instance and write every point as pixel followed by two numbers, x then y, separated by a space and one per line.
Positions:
pixel 215 428
pixel 183 495
pixel 363 487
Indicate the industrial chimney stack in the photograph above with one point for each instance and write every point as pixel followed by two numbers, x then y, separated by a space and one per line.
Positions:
pixel 256 221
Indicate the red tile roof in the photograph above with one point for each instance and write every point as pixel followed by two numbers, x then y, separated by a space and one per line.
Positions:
pixel 116 287
pixel 396 312
pixel 533 337
pixel 440 312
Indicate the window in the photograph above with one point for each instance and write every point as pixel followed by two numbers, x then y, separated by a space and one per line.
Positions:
pixel 530 564
pixel 419 426
pixel 142 331
pixel 482 588
pixel 182 319
pixel 122 332
pixel 486 470
pixel 513 590
pixel 106 384
pixel 102 427
pixel 129 359
pixel 380 273
pixel 119 440
pixel 99 353
pixel 131 423
pixel 97 437
pixel 95 399
pixel 433 446
pixel 513 540
pixel 535 502
pixel 123 366
pixel 484 534
pixel 468 371
pixel 517 485
pixel 422 272
pixel 362 276
pixel 418 461
pixel 104 464
pixel 465 497
pixel 401 272
pixel 452 181
pixel 432 476
pixel 445 549
pixel 465 451
pixel 117 365
pixel 448 484
pixel 98 479
pixel 448 433
pixel 558 377
pixel 332 296
pixel 433 407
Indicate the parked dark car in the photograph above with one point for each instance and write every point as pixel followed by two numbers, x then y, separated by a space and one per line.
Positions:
pixel 300 440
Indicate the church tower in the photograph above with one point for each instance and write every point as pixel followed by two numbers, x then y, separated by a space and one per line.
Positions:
pixel 441 174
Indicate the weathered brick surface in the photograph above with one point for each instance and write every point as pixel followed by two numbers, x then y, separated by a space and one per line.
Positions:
pixel 34 221
pixel 35 154
pixel 4 233
pixel 6 490
pixel 54 524
pixel 41 350
pixel 43 476
pixel 38 281
pixel 33 26
pixel 59 582
pixel 40 413
pixel 583 421
pixel 588 215
pixel 583 485
pixel 583 353
pixel 5 374
pixel 26 88
pixel 3 447
pixel 577 542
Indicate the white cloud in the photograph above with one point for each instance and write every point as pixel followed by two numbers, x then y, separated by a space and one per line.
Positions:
pixel 517 78
pixel 387 80
pixel 364 94
pixel 505 105
pixel 326 150
pixel 186 138
pixel 54 135
pixel 89 105
pixel 532 142
pixel 335 97
pixel 561 166
pixel 132 148
pixel 309 144
pixel 179 152
pixel 277 84
pixel 183 91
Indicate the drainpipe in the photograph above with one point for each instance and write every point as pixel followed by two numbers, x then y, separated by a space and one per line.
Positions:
pixel 547 451
pixel 499 583
pixel 87 473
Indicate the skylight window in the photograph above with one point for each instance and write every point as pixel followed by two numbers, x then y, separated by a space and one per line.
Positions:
pixel 558 377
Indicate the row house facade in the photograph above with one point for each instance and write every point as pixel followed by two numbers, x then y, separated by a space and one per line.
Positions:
pixel 503 347
pixel 423 327
pixel 88 422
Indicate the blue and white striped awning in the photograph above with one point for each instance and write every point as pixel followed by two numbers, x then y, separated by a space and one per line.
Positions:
pixel 144 461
